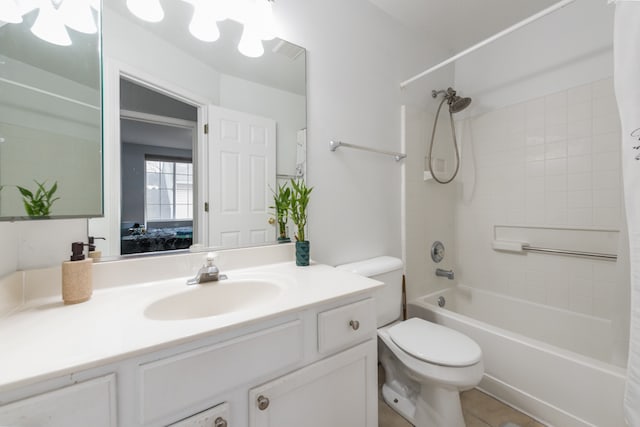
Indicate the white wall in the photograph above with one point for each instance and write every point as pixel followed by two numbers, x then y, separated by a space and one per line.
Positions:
pixel 357 58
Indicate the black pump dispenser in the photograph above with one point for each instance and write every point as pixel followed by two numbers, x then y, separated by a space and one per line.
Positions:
pixel 92 242
pixel 77 249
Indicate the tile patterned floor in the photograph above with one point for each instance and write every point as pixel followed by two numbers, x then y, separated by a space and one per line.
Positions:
pixel 478 408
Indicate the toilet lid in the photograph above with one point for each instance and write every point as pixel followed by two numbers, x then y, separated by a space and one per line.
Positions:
pixel 434 343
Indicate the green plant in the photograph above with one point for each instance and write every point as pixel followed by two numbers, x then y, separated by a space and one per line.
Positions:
pixel 300 195
pixel 281 200
pixel 40 202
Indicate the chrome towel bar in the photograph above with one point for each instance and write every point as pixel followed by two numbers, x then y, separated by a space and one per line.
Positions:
pixel 520 247
pixel 333 146
pixel 581 254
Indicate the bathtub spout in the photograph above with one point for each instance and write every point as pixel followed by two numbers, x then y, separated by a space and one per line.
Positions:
pixel 444 273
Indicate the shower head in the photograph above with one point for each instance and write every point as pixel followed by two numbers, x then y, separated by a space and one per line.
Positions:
pixel 456 103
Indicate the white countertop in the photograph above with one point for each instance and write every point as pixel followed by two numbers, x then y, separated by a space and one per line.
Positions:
pixel 44 339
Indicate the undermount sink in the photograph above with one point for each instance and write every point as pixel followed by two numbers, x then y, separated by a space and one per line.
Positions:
pixel 213 299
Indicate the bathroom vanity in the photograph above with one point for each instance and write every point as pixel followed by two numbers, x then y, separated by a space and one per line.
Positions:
pixel 306 355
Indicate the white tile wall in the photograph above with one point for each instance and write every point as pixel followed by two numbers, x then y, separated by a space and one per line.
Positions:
pixel 550 161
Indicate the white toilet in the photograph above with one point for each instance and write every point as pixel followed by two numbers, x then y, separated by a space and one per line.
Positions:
pixel 426 365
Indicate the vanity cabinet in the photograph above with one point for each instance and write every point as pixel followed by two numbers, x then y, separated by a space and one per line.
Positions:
pixel 217 416
pixel 88 403
pixel 170 385
pixel 316 366
pixel 337 391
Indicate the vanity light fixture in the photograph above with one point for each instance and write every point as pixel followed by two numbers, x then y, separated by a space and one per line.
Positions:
pixel 264 19
pixel 250 43
pixel 147 10
pixel 49 25
pixel 258 25
pixel 204 25
pixel 9 12
pixel 255 15
pixel 54 16
pixel 78 16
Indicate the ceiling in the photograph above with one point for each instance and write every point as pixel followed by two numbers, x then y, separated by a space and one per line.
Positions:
pixel 156 134
pixel 459 24
pixel 275 68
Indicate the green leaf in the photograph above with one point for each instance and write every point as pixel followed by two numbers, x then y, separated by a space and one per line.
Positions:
pixel 38 204
pixel 25 192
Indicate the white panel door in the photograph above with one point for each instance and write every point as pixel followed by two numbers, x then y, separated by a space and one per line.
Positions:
pixel 242 172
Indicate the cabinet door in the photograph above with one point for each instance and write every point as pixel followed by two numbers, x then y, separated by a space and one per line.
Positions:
pixel 90 403
pixel 337 391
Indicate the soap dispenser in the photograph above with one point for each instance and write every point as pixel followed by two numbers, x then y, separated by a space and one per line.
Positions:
pixel 93 253
pixel 77 277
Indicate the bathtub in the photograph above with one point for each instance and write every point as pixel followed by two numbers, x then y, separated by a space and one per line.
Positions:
pixel 561 387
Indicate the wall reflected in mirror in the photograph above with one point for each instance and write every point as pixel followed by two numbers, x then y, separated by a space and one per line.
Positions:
pixel 50 118
pixel 168 83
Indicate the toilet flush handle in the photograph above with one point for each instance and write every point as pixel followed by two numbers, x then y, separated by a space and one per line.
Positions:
pixel 355 325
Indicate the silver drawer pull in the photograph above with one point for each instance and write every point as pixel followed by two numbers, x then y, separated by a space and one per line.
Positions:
pixel 220 422
pixel 263 402
pixel 355 325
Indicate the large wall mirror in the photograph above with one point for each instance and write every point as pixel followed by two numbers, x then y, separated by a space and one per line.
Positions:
pixel 50 113
pixel 197 135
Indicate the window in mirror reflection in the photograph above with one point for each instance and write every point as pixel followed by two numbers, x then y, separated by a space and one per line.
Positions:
pixel 169 190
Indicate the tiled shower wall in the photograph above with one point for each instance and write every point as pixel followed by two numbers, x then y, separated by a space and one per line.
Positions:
pixel 552 161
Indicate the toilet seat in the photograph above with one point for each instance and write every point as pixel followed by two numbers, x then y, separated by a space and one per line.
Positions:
pixel 434 343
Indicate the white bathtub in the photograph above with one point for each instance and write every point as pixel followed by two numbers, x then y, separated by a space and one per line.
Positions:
pixel 558 386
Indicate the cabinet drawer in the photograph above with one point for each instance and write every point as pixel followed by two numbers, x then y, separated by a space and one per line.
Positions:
pixel 347 325
pixel 89 403
pixel 207 418
pixel 169 385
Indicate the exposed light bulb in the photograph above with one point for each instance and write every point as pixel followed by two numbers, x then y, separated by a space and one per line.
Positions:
pixel 77 15
pixel 49 25
pixel 147 10
pixel 250 44
pixel 9 12
pixel 222 9
pixel 203 24
pixel 230 9
pixel 264 19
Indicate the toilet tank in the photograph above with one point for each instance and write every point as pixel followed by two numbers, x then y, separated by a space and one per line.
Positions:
pixel 388 298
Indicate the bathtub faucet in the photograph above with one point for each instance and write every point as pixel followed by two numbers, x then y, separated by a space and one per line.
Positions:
pixel 444 273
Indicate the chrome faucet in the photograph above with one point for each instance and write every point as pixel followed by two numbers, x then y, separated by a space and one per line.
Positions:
pixel 207 273
pixel 444 273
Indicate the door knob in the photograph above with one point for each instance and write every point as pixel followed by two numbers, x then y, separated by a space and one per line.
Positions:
pixel 263 402
pixel 272 220
pixel 220 422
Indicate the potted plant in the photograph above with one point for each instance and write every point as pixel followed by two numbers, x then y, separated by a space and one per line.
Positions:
pixel 38 203
pixel 281 199
pixel 298 213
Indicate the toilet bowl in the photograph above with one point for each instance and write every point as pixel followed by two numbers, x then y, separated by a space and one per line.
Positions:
pixel 426 365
